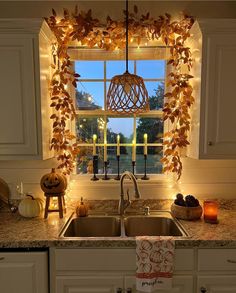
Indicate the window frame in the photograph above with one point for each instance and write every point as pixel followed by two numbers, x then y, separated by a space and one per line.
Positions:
pixel 106 114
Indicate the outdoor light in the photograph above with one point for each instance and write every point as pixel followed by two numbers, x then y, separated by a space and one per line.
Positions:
pixel 127 92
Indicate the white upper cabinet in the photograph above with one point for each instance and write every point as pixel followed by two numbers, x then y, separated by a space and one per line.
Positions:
pixel 213 134
pixel 24 80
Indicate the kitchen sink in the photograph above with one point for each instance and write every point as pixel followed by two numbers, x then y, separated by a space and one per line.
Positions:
pixel 160 223
pixel 151 226
pixel 93 226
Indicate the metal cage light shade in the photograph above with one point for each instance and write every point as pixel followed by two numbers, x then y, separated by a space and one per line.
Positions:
pixel 127 93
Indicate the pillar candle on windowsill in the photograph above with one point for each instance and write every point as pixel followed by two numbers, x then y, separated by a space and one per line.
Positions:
pixel 94 144
pixel 105 151
pixel 210 208
pixel 133 151
pixel 118 146
pixel 145 144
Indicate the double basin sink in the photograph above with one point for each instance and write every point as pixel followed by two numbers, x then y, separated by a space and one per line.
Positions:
pixel 157 224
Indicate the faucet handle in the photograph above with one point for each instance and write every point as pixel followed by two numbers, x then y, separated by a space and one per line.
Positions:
pixel 147 211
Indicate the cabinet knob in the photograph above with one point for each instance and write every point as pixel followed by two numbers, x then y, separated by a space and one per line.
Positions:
pixel 203 290
pixel 129 290
pixel 119 290
pixel 210 143
pixel 2 258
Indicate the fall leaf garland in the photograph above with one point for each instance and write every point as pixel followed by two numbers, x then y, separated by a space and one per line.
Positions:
pixel 82 27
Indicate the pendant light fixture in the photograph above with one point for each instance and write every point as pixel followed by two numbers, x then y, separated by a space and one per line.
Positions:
pixel 127 93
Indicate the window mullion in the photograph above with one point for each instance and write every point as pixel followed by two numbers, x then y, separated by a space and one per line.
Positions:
pixel 105 85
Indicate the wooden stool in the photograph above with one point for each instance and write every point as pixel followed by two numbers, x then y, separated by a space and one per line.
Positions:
pixel 61 204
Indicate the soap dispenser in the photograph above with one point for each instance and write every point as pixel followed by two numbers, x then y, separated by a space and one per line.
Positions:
pixel 82 209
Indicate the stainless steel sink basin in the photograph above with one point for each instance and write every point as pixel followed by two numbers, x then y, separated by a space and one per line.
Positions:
pixel 160 223
pixel 151 226
pixel 93 226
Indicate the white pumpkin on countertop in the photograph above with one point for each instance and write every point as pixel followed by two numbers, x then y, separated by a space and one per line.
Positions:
pixel 30 206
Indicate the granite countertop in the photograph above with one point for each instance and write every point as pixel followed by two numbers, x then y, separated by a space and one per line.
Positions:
pixel 19 232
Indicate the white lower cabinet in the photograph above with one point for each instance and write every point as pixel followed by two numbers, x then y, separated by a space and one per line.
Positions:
pixel 217 284
pixel 216 271
pixel 89 284
pixel 23 272
pixel 110 271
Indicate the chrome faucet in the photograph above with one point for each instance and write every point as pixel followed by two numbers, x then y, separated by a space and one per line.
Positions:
pixel 122 203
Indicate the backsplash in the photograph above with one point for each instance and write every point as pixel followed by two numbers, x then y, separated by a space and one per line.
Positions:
pixel 202 178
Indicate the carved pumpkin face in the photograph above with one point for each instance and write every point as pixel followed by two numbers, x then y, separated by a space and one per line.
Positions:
pixel 53 182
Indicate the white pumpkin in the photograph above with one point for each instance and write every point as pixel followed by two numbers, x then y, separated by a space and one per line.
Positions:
pixel 30 207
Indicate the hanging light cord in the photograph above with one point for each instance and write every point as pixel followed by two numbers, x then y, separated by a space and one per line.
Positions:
pixel 127 35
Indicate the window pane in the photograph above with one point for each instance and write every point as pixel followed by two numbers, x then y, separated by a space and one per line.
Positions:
pixel 90 95
pixel 125 161
pixel 154 166
pixel 85 161
pixel 118 67
pixel 90 69
pixel 153 127
pixel 151 68
pixel 156 94
pixel 121 126
pixel 86 127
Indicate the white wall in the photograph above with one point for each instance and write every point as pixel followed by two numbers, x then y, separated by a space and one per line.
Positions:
pixel 209 178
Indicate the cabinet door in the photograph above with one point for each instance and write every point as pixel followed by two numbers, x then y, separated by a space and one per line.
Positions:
pixel 88 284
pixel 218 138
pixel 217 284
pixel 18 119
pixel 181 284
pixel 23 272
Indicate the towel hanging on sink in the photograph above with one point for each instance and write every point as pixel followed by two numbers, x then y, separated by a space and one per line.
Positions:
pixel 155 262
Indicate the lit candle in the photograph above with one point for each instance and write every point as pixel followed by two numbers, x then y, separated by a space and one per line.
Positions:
pixel 105 151
pixel 145 144
pixel 133 151
pixel 94 144
pixel 210 211
pixel 118 146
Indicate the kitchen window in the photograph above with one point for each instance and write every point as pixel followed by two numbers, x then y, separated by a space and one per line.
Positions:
pixel 93 117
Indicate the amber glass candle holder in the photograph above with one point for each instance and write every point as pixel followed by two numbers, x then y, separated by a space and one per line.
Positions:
pixel 210 210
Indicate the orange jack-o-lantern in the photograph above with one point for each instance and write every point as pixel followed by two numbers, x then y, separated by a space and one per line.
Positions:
pixel 53 183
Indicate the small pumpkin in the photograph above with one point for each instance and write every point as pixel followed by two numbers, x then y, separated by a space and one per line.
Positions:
pixel 30 207
pixel 82 209
pixel 53 182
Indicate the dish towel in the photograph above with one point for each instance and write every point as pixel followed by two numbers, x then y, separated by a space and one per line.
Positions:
pixel 155 262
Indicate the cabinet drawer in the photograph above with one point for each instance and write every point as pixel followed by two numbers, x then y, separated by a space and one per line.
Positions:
pixel 217 259
pixel 111 259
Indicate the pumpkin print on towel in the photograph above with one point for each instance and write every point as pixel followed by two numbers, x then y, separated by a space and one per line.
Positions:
pixel 146 267
pixel 146 245
pixel 143 255
pixel 156 256
pixel 156 268
pixel 168 256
